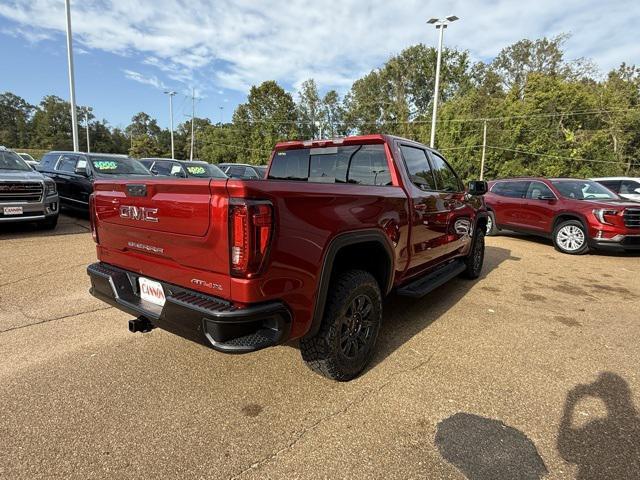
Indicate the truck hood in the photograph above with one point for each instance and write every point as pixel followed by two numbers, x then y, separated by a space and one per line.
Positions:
pixel 17 176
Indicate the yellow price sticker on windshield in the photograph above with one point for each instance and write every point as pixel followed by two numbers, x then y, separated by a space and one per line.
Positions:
pixel 196 170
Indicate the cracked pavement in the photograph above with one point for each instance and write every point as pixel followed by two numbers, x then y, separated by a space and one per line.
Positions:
pixel 81 397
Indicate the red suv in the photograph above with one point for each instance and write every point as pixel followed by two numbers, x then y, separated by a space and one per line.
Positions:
pixel 576 214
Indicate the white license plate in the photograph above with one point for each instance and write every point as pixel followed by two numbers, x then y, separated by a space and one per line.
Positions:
pixel 12 210
pixel 151 291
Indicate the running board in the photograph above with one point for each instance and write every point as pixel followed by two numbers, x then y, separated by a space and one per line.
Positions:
pixel 423 285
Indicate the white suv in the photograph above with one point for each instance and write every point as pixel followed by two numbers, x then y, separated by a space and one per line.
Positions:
pixel 626 187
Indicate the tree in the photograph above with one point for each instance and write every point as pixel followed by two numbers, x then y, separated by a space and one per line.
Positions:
pixel 52 125
pixel 144 146
pixel 311 115
pixel 15 117
pixel 268 116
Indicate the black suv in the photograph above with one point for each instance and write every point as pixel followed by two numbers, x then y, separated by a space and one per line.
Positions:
pixel 167 167
pixel 74 173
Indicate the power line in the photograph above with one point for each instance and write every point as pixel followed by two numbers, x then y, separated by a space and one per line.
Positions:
pixel 553 156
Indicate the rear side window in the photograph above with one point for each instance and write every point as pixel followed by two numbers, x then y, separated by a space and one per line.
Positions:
pixel 357 164
pixel 511 189
pixel 418 167
pixel 446 178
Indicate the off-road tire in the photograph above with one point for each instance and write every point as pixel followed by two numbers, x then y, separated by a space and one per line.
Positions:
pixel 323 352
pixel 475 259
pixel 561 245
pixel 492 229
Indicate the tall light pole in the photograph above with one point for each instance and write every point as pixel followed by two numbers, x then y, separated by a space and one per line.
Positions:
pixel 72 85
pixel 193 119
pixel 441 24
pixel 171 94
pixel 86 117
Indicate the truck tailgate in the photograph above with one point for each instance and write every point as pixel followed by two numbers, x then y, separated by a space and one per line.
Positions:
pixel 173 229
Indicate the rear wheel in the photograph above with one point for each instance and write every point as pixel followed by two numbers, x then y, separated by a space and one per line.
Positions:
pixel 344 345
pixel 571 237
pixel 492 229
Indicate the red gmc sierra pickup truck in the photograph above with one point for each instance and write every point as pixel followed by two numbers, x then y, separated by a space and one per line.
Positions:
pixel 309 253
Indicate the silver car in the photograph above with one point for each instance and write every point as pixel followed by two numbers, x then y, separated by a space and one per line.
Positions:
pixel 26 195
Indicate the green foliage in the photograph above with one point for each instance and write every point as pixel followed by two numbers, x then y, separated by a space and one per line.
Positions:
pixel 545 115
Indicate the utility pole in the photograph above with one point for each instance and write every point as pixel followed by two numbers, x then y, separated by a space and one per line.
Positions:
pixel 72 86
pixel 193 119
pixel 171 94
pixel 86 117
pixel 441 24
pixel 484 148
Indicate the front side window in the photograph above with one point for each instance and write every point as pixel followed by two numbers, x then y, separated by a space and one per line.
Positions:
pixel 418 167
pixel 446 178
pixel 583 190
pixel 67 163
pixel 537 190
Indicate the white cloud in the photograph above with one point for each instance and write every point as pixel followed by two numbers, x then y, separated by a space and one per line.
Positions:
pixel 237 43
pixel 140 78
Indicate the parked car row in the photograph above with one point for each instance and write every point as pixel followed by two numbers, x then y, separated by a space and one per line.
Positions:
pixel 577 215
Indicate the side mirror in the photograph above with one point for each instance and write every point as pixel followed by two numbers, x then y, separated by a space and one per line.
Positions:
pixel 478 187
pixel 637 190
pixel 81 171
pixel 154 171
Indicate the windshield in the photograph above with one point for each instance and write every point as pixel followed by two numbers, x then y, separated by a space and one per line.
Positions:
pixel 12 161
pixel 583 190
pixel 118 166
pixel 204 170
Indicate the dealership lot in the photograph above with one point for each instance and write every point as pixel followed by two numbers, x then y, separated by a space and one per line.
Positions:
pixel 82 397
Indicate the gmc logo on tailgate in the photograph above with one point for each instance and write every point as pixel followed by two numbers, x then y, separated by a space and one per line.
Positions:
pixel 143 214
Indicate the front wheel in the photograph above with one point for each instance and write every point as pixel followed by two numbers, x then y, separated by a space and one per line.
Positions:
pixel 571 237
pixel 49 223
pixel 344 345
pixel 475 259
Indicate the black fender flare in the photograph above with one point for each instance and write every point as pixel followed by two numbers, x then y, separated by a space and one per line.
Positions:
pixel 335 245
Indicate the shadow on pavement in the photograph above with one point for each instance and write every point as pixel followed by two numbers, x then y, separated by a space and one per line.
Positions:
pixel 405 317
pixel 69 223
pixel 486 449
pixel 547 241
pixel 606 447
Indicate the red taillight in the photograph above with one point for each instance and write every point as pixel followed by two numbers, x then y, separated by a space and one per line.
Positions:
pixel 250 228
pixel 92 217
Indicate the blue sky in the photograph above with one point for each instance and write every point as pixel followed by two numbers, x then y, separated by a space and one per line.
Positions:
pixel 127 52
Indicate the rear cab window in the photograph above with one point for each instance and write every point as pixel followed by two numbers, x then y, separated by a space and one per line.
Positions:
pixel 355 164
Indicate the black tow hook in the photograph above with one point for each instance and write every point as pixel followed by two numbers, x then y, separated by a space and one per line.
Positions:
pixel 140 324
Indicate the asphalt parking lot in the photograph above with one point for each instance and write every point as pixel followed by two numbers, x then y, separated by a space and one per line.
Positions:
pixel 531 371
